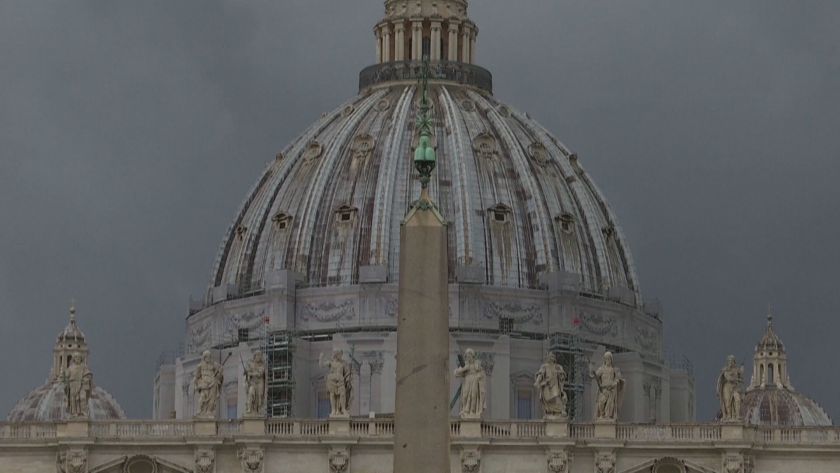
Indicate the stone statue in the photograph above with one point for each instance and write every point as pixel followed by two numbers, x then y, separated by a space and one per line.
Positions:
pixel 729 390
pixel 255 385
pixel 550 381
pixel 339 384
pixel 610 389
pixel 473 398
pixel 208 384
pixel 78 384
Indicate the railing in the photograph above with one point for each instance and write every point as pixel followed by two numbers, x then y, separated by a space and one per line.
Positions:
pixel 228 428
pixel 384 427
pixel 314 427
pixel 803 435
pixel 459 72
pixel 281 427
pixel 582 431
pixel 28 431
pixel 141 429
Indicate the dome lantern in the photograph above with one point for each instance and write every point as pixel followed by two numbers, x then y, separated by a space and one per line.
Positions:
pixel 770 360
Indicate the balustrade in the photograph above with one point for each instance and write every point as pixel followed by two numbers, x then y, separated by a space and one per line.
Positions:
pixel 501 429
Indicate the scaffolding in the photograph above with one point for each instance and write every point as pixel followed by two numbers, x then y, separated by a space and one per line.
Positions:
pixel 568 350
pixel 278 349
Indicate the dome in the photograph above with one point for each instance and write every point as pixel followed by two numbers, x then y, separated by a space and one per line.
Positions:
pixel 782 407
pixel 518 202
pixel 770 398
pixel 47 404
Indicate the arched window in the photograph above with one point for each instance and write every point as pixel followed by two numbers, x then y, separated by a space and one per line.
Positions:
pixel 770 373
pixel 427 46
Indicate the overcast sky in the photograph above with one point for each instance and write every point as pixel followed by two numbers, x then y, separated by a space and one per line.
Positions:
pixel 130 131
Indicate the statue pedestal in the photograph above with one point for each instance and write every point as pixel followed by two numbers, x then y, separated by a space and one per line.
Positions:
pixel 253 426
pixel 732 431
pixel 339 425
pixel 77 427
pixel 470 427
pixel 605 429
pixel 204 427
pixel 556 427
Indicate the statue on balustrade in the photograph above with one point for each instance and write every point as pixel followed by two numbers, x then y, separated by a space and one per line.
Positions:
pixel 473 393
pixel 78 384
pixel 339 383
pixel 208 379
pixel 610 389
pixel 551 381
pixel 729 390
pixel 255 385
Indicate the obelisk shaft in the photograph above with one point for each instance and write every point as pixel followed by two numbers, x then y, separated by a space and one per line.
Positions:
pixel 421 430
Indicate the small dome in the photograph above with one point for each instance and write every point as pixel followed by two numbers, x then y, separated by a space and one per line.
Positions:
pixel 770 342
pixel 782 407
pixel 47 404
pixel 71 332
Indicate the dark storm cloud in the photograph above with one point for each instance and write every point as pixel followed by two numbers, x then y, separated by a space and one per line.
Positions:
pixel 130 131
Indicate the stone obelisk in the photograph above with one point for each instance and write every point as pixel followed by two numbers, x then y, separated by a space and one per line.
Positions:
pixel 421 423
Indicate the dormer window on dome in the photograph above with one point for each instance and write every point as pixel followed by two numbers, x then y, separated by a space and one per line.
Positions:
pixel 499 213
pixel 567 222
pixel 281 220
pixel 345 213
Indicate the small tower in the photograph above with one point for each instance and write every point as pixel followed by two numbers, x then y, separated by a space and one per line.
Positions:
pixel 70 341
pixel 770 361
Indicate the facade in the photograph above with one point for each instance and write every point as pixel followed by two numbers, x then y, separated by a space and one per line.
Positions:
pixel 537 260
pixel 562 368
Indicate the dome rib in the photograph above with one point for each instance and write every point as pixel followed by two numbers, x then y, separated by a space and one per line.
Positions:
pixel 325 169
pixel 463 218
pixel 384 200
pixel 527 181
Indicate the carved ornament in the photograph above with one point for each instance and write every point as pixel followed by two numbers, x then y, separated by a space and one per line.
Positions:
pixel 646 338
pixel 204 460
pixel 363 146
pixel 485 145
pixel 329 311
pixel 558 462
pixel 251 459
pixel 514 311
pixel 382 105
pixel 247 320
pixel 605 463
pixel 598 324
pixel 733 464
pixel 467 105
pixel 339 460
pixel 539 154
pixel 470 461
pixel 312 152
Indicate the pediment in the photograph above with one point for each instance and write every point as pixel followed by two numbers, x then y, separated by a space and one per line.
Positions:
pixel 139 463
pixel 668 465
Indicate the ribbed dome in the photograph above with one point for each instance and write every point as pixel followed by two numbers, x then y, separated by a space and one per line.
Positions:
pixel 779 407
pixel 47 404
pixel 518 202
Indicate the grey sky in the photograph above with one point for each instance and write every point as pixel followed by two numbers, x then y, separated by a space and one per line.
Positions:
pixel 131 130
